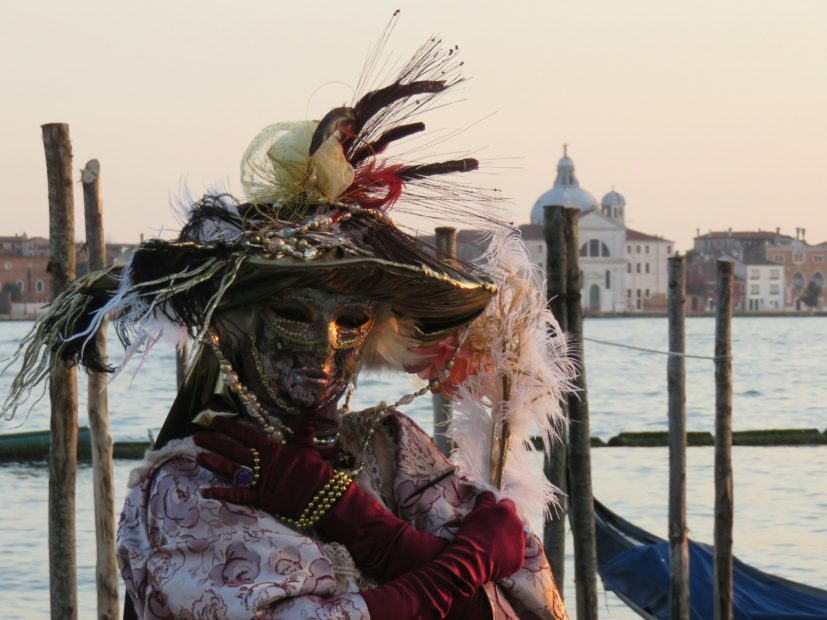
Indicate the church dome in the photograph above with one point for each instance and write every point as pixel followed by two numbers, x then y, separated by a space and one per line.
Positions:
pixel 613 199
pixel 565 192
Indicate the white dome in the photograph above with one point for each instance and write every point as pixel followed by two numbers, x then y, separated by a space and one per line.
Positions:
pixel 613 199
pixel 566 192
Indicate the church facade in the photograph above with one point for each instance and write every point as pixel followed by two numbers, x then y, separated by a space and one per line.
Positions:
pixel 623 270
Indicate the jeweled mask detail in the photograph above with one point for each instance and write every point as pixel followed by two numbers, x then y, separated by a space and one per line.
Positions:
pixel 308 343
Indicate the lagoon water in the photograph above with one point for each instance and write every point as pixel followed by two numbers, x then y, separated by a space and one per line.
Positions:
pixel 780 493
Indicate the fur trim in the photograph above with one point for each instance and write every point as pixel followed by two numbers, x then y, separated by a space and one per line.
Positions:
pixel 154 458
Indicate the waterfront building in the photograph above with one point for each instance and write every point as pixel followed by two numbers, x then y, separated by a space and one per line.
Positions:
pixel 647 277
pixel 800 268
pixel 623 270
pixel 764 286
pixel 25 284
pixel 804 268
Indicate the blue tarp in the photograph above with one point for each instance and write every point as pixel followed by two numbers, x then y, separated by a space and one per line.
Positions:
pixel 635 564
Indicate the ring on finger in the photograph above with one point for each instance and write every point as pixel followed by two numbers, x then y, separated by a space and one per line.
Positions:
pixel 246 477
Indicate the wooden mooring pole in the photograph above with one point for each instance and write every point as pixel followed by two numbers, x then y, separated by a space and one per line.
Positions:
pixel 581 513
pixel 182 352
pixel 554 465
pixel 676 382
pixel 446 245
pixel 724 506
pixel 63 389
pixel 106 569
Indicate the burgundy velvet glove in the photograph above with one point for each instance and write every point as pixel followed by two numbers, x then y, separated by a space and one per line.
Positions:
pixel 382 545
pixel 490 545
pixel 290 475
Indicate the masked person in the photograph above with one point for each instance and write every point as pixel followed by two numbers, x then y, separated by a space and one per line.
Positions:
pixel 264 496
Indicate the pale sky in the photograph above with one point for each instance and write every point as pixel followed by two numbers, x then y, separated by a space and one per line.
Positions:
pixel 704 114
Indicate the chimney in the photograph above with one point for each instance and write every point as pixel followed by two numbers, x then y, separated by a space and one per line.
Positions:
pixel 777 230
pixel 697 232
pixel 803 233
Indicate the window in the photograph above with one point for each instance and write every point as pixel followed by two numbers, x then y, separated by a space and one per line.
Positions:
pixel 628 249
pixel 628 267
pixel 818 279
pixel 775 273
pixel 668 250
pixel 629 293
pixel 39 286
pixel 21 286
pixel 798 257
pixel 778 259
pixel 773 289
pixel 584 249
pixel 637 249
pixel 608 279
pixel 541 247
pixel 638 293
pixel 604 250
pixel 7 266
pixel 637 265
pixel 647 293
pixel 647 249
pixel 754 289
pixel 798 281
pixel 818 258
pixel 754 274
pixel 594 247
pixel 647 267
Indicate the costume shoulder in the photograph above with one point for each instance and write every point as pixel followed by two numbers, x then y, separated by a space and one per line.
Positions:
pixel 183 555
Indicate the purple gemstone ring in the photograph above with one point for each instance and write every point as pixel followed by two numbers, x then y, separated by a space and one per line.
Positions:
pixel 244 477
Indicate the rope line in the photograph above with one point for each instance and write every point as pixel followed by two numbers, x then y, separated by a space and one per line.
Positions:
pixel 714 358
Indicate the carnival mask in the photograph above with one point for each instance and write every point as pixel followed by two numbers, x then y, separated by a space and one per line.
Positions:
pixel 306 346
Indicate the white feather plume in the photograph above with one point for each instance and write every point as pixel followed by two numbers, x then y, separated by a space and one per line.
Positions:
pixel 517 338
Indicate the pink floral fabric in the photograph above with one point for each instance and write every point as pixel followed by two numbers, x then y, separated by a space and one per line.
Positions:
pixel 184 556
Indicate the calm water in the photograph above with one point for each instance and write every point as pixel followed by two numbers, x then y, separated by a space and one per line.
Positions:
pixel 780 493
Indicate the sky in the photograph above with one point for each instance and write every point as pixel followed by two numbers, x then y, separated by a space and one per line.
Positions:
pixel 704 115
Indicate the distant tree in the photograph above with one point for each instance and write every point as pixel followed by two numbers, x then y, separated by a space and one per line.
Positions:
pixel 811 295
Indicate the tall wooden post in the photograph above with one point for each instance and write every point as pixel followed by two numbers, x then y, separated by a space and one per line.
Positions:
pixel 676 381
pixel 581 514
pixel 723 443
pixel 446 245
pixel 182 352
pixel 106 569
pixel 63 389
pixel 554 465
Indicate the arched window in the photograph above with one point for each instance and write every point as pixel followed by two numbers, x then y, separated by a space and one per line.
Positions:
pixel 818 278
pixel 594 247
pixel 604 250
pixel 584 249
pixel 39 286
pixel 21 286
pixel 798 281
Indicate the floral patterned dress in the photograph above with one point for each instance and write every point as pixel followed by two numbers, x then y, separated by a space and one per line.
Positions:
pixel 186 557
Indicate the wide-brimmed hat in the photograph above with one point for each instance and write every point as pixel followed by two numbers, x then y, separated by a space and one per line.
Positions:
pixel 315 214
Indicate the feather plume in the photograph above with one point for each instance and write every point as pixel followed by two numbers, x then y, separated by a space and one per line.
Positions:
pixel 516 338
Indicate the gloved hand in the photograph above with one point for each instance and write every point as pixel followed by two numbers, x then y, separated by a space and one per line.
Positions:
pixel 489 545
pixel 289 475
pixel 381 544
